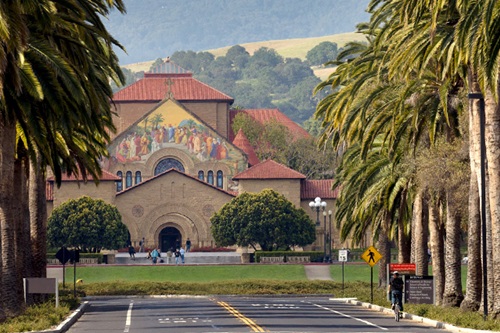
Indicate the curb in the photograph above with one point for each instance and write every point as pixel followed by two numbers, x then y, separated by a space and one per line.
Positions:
pixel 66 324
pixel 427 321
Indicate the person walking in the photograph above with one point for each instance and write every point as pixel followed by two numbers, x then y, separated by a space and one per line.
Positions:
pixel 177 255
pixel 182 253
pixel 141 245
pixel 131 252
pixel 188 245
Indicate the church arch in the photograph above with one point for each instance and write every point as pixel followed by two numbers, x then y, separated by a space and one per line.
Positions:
pixel 167 164
pixel 173 153
pixel 170 238
pixel 189 222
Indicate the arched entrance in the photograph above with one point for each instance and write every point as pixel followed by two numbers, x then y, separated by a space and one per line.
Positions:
pixel 170 238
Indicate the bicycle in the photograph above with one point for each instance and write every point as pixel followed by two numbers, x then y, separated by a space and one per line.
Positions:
pixel 396 311
pixel 397 307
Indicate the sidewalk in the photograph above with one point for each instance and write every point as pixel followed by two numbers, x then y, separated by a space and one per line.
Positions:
pixel 318 272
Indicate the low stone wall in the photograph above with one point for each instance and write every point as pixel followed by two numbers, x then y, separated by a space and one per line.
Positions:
pixel 84 261
pixel 272 260
pixel 298 259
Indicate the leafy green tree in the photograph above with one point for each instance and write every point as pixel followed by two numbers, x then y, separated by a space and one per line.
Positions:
pixel 251 127
pixel 304 156
pixel 313 126
pixel 238 55
pixel 90 224
pixel 156 63
pixel 322 53
pixel 266 219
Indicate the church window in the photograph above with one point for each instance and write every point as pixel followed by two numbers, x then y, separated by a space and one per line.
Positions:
pixel 210 177
pixel 167 164
pixel 138 177
pixel 128 179
pixel 220 179
pixel 119 184
pixel 201 175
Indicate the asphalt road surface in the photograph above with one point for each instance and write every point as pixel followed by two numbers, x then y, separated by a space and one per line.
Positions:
pixel 237 314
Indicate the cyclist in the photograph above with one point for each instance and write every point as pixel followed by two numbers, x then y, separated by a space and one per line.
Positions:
pixel 396 287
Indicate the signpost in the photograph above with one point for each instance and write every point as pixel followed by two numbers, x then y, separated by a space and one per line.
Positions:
pixel 371 256
pixel 343 257
pixel 63 255
pixel 41 286
pixel 403 269
pixel 419 289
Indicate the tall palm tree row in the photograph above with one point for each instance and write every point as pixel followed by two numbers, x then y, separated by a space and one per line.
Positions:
pixel 54 111
pixel 407 86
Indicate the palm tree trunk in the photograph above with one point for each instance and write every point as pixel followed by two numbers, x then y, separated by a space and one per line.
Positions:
pixel 38 218
pixel 453 294
pixel 404 244
pixel 420 236
pixel 11 283
pixel 492 129
pixel 385 250
pixel 22 216
pixel 437 250
pixel 473 290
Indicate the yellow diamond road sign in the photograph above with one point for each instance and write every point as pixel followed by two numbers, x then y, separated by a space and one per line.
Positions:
pixel 371 256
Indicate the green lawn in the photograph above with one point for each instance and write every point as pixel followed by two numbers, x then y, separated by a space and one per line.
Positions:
pixel 104 273
pixel 361 272
pixel 172 273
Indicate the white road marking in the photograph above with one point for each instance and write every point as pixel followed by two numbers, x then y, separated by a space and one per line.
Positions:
pixel 180 320
pixel 351 317
pixel 129 317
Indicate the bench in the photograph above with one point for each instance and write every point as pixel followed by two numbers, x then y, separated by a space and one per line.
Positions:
pixel 298 259
pixel 272 260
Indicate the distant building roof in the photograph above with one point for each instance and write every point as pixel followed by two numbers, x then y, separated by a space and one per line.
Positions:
pixel 265 115
pixel 172 170
pixel 169 79
pixel 269 169
pixel 105 176
pixel 242 142
pixel 311 189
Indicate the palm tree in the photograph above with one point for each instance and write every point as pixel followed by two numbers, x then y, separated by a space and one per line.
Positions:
pixel 63 110
pixel 463 34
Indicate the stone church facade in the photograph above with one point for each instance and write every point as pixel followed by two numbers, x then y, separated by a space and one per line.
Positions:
pixel 174 161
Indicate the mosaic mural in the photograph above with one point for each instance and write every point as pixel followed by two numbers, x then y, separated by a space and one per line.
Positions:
pixel 170 126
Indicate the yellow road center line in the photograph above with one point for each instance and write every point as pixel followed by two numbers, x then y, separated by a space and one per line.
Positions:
pixel 247 321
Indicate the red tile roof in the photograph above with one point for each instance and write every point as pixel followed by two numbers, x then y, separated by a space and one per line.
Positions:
pixel 265 115
pixel 182 173
pixel 311 189
pixel 154 87
pixel 269 169
pixel 242 142
pixel 106 176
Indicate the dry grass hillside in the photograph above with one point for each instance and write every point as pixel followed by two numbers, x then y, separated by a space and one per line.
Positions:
pixel 288 48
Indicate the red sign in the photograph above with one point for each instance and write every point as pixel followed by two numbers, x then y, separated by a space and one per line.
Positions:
pixel 403 269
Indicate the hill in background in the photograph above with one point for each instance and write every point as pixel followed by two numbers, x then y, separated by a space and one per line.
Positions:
pixel 287 48
pixel 154 29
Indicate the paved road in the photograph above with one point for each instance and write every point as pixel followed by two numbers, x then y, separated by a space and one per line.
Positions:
pixel 236 314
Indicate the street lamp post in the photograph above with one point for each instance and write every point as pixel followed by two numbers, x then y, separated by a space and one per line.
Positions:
pixel 330 237
pixel 325 238
pixel 318 205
